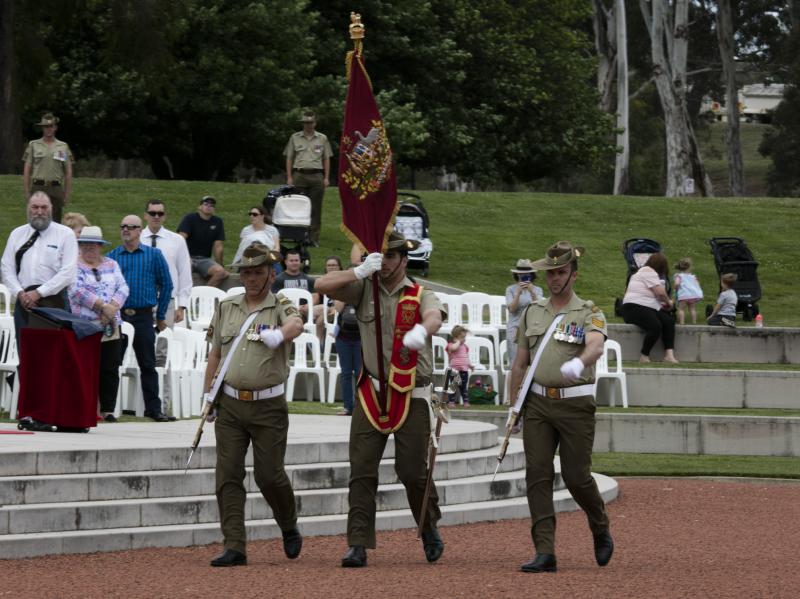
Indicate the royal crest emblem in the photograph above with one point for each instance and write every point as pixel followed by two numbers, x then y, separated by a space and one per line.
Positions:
pixel 369 160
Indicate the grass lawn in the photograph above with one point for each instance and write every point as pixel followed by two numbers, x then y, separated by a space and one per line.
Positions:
pixel 670 464
pixel 712 149
pixel 478 237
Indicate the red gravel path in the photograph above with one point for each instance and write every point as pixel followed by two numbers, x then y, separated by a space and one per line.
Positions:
pixel 674 538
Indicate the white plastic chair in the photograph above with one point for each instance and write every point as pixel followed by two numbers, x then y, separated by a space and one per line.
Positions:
pixel 331 361
pixel 481 355
pixel 441 361
pixel 295 295
pixel 9 361
pixel 185 373
pixel 452 304
pixel 129 394
pixel 234 291
pixel 602 371
pixel 203 301
pixel 498 311
pixel 475 303
pixel 301 365
pixel 504 366
pixel 5 301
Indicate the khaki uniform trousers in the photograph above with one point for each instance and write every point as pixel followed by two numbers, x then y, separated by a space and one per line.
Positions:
pixel 266 424
pixel 56 195
pixel 569 425
pixel 311 185
pixel 410 463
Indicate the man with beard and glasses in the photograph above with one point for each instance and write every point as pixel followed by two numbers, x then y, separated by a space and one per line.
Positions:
pixel 39 261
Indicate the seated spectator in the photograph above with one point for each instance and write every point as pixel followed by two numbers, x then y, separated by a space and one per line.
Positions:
pixel 75 221
pixel 261 230
pixel 328 312
pixel 294 278
pixel 518 297
pixel 205 233
pixel 98 293
pixel 647 305
pixel 724 313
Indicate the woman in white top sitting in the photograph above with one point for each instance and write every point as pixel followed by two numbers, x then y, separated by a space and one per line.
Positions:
pixel 647 305
pixel 260 229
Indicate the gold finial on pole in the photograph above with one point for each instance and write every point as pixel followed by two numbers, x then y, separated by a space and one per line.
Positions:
pixel 356 31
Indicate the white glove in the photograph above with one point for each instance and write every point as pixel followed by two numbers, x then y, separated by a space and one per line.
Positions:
pixel 272 338
pixel 572 369
pixel 416 337
pixel 370 265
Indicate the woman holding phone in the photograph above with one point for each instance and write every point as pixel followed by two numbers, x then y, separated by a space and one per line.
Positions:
pixel 518 296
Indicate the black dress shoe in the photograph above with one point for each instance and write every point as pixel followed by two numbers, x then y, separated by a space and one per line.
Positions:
pixel 543 562
pixel 228 558
pixel 432 544
pixel 603 548
pixel 356 557
pixel 292 543
pixel 161 417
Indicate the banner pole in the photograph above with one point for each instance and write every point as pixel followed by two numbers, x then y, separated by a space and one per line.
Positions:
pixel 376 298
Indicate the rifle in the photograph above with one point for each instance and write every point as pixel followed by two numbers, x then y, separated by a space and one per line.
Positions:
pixel 516 409
pixel 203 415
pixel 440 408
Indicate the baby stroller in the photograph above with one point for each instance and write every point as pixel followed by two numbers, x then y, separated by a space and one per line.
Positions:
pixel 636 252
pixel 291 214
pixel 412 222
pixel 731 254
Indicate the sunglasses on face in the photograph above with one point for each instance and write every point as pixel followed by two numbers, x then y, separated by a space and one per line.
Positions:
pixel 130 227
pixel 155 213
pixel 255 214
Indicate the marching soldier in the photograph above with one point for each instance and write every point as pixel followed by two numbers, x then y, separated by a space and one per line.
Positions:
pixel 564 335
pixel 409 316
pixel 251 336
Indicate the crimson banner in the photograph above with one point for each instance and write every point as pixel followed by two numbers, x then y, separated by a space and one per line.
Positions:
pixel 367 184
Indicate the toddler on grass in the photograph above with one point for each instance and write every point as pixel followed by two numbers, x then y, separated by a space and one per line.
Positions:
pixel 687 290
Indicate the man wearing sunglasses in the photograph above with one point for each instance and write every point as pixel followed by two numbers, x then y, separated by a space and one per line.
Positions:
pixel 205 235
pixel 150 285
pixel 176 253
pixel 48 166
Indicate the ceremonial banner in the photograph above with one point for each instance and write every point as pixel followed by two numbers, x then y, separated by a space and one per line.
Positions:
pixel 367 184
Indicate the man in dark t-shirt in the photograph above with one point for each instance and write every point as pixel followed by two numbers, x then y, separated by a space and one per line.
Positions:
pixel 205 233
pixel 294 278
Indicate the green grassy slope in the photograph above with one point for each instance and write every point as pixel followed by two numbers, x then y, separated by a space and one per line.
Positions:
pixel 477 237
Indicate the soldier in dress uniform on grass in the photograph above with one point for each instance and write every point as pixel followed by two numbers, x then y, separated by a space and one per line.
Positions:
pixel 48 166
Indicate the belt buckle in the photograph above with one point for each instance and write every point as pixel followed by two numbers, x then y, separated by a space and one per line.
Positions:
pixel 553 393
pixel 129 312
pixel 245 395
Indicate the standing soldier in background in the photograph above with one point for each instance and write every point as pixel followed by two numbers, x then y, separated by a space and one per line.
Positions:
pixel 48 166
pixel 560 406
pixel 410 316
pixel 251 404
pixel 308 167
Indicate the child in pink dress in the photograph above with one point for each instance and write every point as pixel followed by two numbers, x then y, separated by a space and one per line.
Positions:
pixel 458 356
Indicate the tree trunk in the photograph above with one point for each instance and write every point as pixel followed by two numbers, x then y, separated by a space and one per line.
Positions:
pixel 732 136
pixel 623 138
pixel 11 137
pixel 604 41
pixel 668 46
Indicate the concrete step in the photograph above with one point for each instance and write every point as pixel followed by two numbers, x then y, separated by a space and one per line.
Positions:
pixel 133 446
pixel 14 546
pixel 93 515
pixel 702 343
pixel 18 490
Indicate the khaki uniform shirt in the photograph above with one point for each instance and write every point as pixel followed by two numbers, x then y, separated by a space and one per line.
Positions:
pixel 534 324
pixel 254 366
pixel 47 160
pixel 359 294
pixel 307 153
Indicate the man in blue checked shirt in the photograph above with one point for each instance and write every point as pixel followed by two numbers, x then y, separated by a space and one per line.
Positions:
pixel 147 274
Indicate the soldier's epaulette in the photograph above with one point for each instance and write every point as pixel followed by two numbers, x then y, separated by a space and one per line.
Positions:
pixel 590 304
pixel 283 299
pixel 542 301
